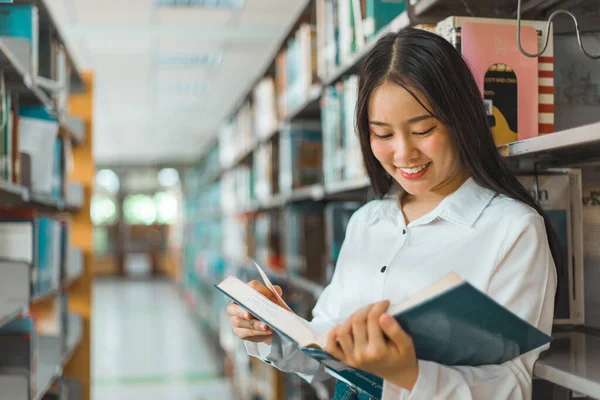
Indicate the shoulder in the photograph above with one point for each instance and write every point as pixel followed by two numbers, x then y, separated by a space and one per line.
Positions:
pixel 510 212
pixel 514 222
pixel 372 209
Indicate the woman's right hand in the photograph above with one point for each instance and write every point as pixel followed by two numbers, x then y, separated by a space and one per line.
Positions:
pixel 245 326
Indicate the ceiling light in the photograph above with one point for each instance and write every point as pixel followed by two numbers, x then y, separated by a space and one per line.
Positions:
pixel 230 4
pixel 207 59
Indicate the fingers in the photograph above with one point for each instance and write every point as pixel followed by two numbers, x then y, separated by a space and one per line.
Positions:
pixel 251 335
pixel 331 345
pixel 254 324
pixel 374 333
pixel 260 288
pixel 234 310
pixel 279 290
pixel 359 327
pixel 394 331
pixel 344 338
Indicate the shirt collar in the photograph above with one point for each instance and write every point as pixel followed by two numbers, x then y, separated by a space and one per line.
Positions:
pixel 463 207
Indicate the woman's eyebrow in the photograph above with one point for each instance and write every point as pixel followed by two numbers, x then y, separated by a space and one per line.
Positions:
pixel 419 118
pixel 378 123
pixel 410 121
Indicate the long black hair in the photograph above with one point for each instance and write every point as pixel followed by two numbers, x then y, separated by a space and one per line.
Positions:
pixel 425 63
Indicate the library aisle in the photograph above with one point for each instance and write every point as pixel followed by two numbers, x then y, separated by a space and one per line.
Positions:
pixel 146 346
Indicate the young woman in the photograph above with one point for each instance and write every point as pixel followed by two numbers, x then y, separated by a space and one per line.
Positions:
pixel 424 131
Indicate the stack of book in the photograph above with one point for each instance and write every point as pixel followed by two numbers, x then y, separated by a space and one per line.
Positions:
pixel 342 155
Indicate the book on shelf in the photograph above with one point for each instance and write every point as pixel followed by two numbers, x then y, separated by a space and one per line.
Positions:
pixel 300 155
pixel 337 216
pixel 504 75
pixel 345 26
pixel 19 358
pixel 333 138
pixel 265 108
pixel 470 328
pixel 301 66
pixel 36 241
pixel 559 193
pixel 38 134
pixel 22 21
pixel 380 13
pixel 303 241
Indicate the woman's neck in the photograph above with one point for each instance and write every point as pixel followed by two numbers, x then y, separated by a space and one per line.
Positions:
pixel 415 206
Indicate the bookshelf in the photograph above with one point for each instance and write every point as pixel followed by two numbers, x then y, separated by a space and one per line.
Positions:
pixel 259 221
pixel 45 191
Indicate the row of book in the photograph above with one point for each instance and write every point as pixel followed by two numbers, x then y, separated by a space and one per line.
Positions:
pixel 345 26
pixel 342 156
pixel 36 253
pixel 35 346
pixel 32 152
pixel 291 161
pixel 49 67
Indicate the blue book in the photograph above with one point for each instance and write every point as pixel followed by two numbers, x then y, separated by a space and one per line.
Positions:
pixel 380 13
pixel 22 21
pixel 451 323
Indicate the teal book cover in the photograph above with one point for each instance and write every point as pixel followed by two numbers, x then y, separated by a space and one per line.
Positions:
pixel 382 12
pixel 17 20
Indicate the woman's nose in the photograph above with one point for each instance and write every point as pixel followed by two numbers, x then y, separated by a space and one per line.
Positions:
pixel 404 150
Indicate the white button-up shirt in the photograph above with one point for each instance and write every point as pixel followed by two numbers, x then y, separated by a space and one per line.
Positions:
pixel 496 243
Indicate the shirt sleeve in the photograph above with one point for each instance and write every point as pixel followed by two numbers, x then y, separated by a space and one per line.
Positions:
pixel 524 281
pixel 285 355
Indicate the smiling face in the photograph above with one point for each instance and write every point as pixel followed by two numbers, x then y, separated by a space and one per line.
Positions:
pixel 412 146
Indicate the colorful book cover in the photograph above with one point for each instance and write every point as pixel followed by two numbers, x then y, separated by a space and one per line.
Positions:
pixel 22 21
pixel 451 29
pixel 507 78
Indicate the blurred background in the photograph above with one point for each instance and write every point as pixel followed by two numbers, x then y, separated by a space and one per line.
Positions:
pixel 150 148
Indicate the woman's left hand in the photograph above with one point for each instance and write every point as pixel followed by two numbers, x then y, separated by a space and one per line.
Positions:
pixel 373 341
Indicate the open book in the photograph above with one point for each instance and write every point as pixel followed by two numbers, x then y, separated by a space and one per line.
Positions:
pixel 451 323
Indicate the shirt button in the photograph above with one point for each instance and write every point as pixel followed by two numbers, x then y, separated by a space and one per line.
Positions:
pixel 404 231
pixel 383 269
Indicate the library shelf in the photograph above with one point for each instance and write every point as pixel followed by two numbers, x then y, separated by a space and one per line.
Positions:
pixel 47 18
pixel 423 6
pixel 573 362
pixel 15 57
pixel 9 312
pixel 52 359
pixel 17 195
pixel 568 147
pixel 314 192
pixel 68 282
pixel 347 186
pixel 400 22
pixel 310 107
pixel 75 128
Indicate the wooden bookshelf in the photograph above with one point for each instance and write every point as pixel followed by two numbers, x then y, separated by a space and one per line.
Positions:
pixel 80 292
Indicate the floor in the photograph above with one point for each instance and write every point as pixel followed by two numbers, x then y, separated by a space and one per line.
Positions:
pixel 146 346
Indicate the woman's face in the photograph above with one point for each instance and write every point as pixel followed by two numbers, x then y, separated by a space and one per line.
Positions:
pixel 414 148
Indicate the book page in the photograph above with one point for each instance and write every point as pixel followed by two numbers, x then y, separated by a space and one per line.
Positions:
pixel 280 319
pixel 448 281
pixel 270 286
